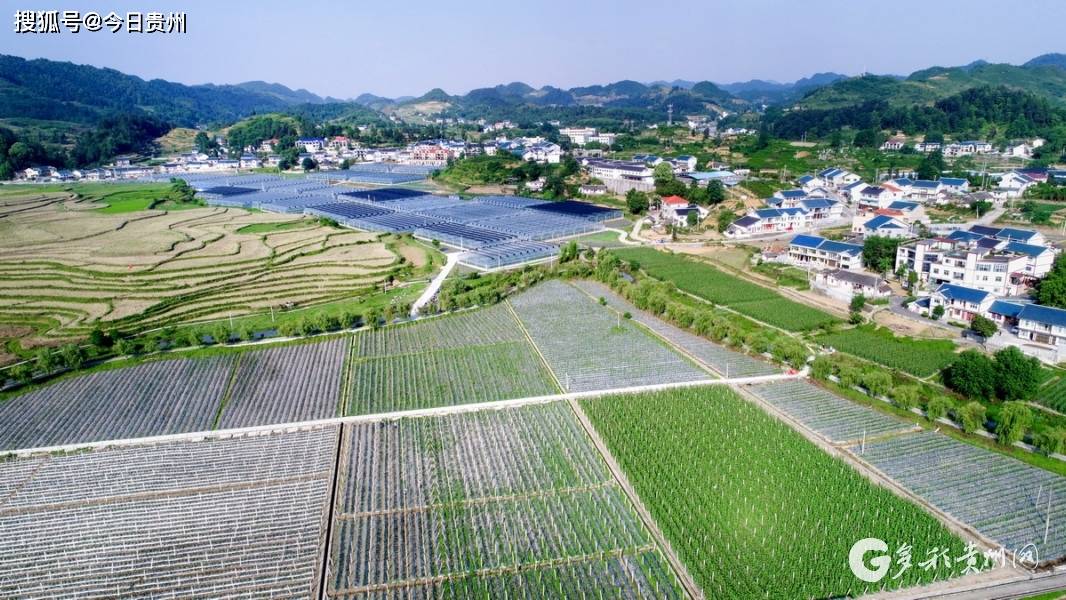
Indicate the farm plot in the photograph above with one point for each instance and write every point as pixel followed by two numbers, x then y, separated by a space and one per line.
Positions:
pixel 1003 498
pixel 723 289
pixel 492 325
pixel 236 517
pixel 739 494
pixel 155 398
pixel 447 377
pixel 917 357
pixel 504 501
pixel 591 348
pixel 1053 394
pixel 286 385
pixel 837 419
pixel 721 359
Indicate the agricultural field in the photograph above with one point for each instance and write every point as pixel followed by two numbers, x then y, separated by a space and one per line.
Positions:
pixel 589 347
pixel 72 259
pixel 1003 498
pixel 720 288
pixel 154 398
pixel 287 384
pixel 495 503
pixel 918 357
pixel 1053 395
pixel 727 362
pixel 740 494
pixel 474 356
pixel 231 517
pixel 837 419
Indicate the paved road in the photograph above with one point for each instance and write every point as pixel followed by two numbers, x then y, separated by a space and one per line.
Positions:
pixel 434 286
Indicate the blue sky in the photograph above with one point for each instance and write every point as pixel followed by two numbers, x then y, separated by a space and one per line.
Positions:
pixel 388 47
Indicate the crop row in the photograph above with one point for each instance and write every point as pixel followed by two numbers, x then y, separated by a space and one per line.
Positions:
pixel 447 377
pixel 917 357
pixel 751 507
pixel 490 325
pixel 471 497
pixel 727 362
pixel 720 288
pixel 1001 497
pixel 589 347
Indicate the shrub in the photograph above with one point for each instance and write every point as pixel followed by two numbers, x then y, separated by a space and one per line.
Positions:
pixel 1051 441
pixel 983 327
pixel 876 381
pixel 906 396
pixel 972 417
pixel 822 368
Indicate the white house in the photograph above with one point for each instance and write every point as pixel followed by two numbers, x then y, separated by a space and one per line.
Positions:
pixel 880 226
pixel 893 144
pixel 815 251
pixel 1042 325
pixel 250 161
pixel 766 221
pixel 960 303
pixel 1014 184
pixel 311 144
pixel 844 284
pixel 836 178
pixel 927 147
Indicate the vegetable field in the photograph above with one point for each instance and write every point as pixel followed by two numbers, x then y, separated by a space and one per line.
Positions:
pixel 837 419
pixel 1053 395
pixel 589 347
pixel 447 377
pixel 720 288
pixel 286 385
pixel 240 517
pixel 503 503
pixel 917 357
pixel 719 358
pixel 752 508
pixel 999 496
pixel 155 398
pixel 482 327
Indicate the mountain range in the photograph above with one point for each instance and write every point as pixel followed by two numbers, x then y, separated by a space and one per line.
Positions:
pixel 49 91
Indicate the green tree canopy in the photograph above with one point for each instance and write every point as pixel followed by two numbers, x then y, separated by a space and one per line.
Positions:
pixel 973 375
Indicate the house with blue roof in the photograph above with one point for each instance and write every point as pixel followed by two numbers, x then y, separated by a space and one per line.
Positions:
pixel 955 185
pixel 836 178
pixel 882 226
pixel 1004 312
pixel 960 303
pixel 1042 325
pixel 817 251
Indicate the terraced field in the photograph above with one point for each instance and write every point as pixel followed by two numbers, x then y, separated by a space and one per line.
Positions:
pixel 64 265
pixel 241 517
pixel 497 503
pixel 589 347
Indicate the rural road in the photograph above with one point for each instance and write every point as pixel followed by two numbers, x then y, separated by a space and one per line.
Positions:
pixel 434 286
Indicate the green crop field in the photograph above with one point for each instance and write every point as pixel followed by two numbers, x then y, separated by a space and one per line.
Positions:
pixel 1053 395
pixel 917 357
pixel 721 288
pixel 752 508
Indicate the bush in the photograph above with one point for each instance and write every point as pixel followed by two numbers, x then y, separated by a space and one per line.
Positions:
pixel 938 311
pixel 1051 441
pixel 972 417
pixel 1013 420
pixel 822 368
pixel 938 407
pixel 876 382
pixel 983 327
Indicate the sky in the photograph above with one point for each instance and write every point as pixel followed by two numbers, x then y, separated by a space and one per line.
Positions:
pixel 407 47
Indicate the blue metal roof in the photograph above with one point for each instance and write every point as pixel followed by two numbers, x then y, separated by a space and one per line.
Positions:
pixel 792 193
pixel 903 205
pixel 806 179
pixel 925 183
pixel 817 203
pixel 746 221
pixel 1016 234
pixel 769 213
pixel 965 294
pixel 964 236
pixel 985 230
pixel 881 221
pixel 807 241
pixel 954 181
pixel 1006 308
pixel 903 181
pixel 1027 249
pixel 1043 314
pixel 840 247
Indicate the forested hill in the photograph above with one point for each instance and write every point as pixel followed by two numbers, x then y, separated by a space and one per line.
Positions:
pixel 62 91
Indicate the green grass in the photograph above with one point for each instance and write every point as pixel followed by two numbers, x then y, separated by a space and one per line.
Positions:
pixel 918 357
pixel 721 288
pixel 260 228
pixel 1053 395
pixel 784 275
pixel 600 239
pixel 739 494
pixel 1055 595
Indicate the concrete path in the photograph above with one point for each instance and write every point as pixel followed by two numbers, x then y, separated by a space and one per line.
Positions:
pixel 434 286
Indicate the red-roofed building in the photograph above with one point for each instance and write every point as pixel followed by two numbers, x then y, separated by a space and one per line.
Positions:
pixel 675 201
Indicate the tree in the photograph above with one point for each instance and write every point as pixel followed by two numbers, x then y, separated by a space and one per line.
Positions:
pixel 938 407
pixel 220 334
pixel 906 396
pixel 877 382
pixel 869 138
pixel 1017 375
pixel 938 311
pixel 568 252
pixel 308 164
pixel 127 347
pixel 858 301
pixel 204 143
pixel 44 361
pixel 1051 291
pixel 879 253
pixel 99 339
pixel 636 202
pixel 931 166
pixel 983 326
pixel 972 417
pixel 692 218
pixel 715 192
pixel 725 219
pixel 1012 421
pixel 972 374
pixel 1051 440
